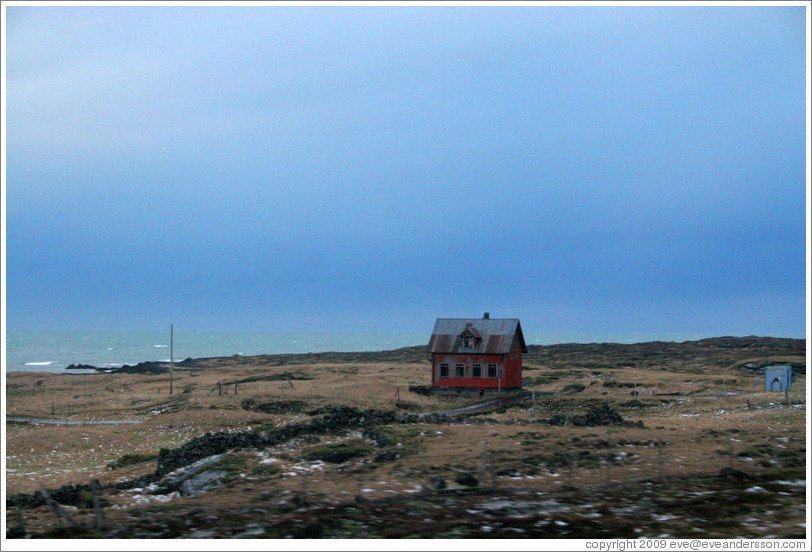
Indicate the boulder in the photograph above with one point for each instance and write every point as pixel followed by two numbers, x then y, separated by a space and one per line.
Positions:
pixel 201 482
pixel 437 482
pixel 387 456
pixel 467 479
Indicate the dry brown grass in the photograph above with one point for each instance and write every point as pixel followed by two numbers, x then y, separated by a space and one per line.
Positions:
pixel 698 430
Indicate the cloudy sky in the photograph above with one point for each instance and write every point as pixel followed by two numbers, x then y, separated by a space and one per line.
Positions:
pixel 586 169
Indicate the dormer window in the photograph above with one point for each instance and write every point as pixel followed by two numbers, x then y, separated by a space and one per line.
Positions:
pixel 469 340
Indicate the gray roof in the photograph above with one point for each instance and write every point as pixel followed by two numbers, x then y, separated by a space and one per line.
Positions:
pixel 495 335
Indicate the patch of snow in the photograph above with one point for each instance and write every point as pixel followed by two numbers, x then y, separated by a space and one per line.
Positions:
pixel 755 489
pixel 796 483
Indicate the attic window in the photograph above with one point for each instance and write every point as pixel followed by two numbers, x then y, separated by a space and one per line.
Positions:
pixel 468 340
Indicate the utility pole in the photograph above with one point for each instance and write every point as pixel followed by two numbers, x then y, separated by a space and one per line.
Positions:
pixel 171 357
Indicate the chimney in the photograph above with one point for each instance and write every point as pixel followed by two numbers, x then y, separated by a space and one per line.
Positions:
pixel 487 316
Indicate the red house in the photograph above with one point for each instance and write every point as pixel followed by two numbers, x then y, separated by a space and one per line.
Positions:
pixel 479 353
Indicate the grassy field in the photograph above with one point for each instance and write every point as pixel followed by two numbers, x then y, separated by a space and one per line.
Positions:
pixel 716 456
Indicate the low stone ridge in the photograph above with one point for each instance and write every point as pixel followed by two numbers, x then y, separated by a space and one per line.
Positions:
pixel 760 368
pixel 600 416
pixel 70 495
pixel 332 418
pixel 277 407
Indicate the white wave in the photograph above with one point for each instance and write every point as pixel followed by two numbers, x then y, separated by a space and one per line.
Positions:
pixel 46 363
pixel 162 346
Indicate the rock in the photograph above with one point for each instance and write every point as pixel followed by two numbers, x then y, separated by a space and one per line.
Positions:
pixel 194 478
pixel 603 415
pixel 278 407
pixel 387 456
pixel 732 473
pixel 16 532
pixel 81 367
pixel 202 482
pixel 467 479
pixel 437 482
pixel 600 416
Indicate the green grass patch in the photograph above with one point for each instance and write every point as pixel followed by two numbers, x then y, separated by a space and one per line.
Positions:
pixel 23 392
pixel 573 388
pixel 131 460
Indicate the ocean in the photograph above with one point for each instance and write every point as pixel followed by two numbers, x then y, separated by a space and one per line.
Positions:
pixel 53 351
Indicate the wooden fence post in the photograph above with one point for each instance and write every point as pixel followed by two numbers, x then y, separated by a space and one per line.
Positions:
pixel 730 454
pixel 301 498
pixel 492 470
pixel 23 522
pixel 571 457
pixel 98 516
pixel 57 511
pixel 359 497
pixel 660 463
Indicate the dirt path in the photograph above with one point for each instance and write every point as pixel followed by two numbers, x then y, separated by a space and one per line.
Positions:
pixel 51 421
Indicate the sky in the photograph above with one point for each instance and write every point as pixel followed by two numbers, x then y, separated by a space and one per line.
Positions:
pixel 339 168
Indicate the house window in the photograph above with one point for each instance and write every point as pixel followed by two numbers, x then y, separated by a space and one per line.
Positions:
pixel 459 370
pixel 467 342
pixel 444 370
pixel 491 370
pixel 476 371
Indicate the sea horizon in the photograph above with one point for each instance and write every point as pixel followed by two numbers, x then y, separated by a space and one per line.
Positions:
pixel 54 350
